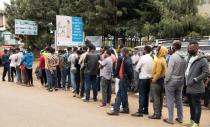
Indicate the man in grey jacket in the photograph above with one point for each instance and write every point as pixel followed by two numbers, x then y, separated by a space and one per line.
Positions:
pixel 197 70
pixel 174 82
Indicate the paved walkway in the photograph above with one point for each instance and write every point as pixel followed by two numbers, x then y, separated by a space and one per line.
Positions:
pixel 34 107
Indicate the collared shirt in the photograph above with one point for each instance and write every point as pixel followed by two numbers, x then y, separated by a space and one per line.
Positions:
pixel 144 66
pixel 106 70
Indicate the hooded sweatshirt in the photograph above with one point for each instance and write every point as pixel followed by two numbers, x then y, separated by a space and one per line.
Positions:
pixel 28 60
pixel 198 71
pixel 159 65
pixel 176 67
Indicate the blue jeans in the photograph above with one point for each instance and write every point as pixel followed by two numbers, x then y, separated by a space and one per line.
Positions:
pixel 68 77
pixel 144 89
pixel 51 79
pixel 91 80
pixel 122 96
pixel 64 73
pixel 73 80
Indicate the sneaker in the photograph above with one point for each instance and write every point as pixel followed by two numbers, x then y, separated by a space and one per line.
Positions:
pixel 112 113
pixel 195 125
pixel 191 123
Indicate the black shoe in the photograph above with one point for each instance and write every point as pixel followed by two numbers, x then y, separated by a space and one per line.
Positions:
pixel 85 100
pixel 145 112
pixel 50 90
pixel 3 80
pixel 95 100
pixel 154 117
pixel 124 112
pixel 178 120
pixel 113 113
pixel 137 114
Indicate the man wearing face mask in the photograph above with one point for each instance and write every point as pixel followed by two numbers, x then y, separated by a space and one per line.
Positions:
pixel 174 82
pixel 197 70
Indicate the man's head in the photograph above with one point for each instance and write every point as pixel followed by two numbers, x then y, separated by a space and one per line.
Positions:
pixel 52 50
pixel 125 52
pixel 147 49
pixel 92 47
pixel 107 53
pixel 17 50
pixel 84 49
pixel 5 51
pixel 48 49
pixel 193 48
pixel 75 49
pixel 177 45
pixel 69 49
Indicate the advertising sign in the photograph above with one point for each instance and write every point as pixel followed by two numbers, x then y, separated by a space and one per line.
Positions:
pixel 25 27
pixel 69 31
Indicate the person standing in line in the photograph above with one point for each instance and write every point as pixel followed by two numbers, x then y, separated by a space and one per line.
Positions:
pixel 126 76
pixel 82 67
pixel 135 58
pixel 207 87
pixel 51 62
pixel 73 70
pixel 174 83
pixel 42 69
pixel 144 67
pixel 18 66
pixel 6 64
pixel 106 78
pixel 13 60
pixel 59 68
pixel 158 73
pixel 28 60
pixel 197 70
pixel 90 72
pixel 64 70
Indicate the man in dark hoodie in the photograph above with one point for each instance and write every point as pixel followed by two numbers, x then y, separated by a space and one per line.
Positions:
pixel 5 63
pixel 174 82
pixel 197 70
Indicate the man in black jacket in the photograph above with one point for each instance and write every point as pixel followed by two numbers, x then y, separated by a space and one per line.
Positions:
pixel 6 63
pixel 126 76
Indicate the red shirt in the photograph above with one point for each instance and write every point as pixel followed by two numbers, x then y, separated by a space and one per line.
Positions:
pixel 42 62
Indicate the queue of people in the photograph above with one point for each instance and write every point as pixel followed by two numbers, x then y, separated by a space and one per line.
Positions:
pixel 151 74
pixel 18 64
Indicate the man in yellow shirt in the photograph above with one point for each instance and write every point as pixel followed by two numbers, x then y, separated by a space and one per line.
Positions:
pixel 157 87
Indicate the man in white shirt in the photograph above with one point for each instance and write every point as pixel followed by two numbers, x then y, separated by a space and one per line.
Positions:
pixel 144 67
pixel 18 69
pixel 13 61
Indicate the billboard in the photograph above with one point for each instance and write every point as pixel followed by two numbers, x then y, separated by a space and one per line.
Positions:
pixel 69 31
pixel 25 27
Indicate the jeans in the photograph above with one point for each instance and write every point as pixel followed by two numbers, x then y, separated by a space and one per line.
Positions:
pixel 29 76
pixel 5 71
pixel 91 80
pixel 136 79
pixel 144 89
pixel 12 72
pixel 207 95
pixel 58 77
pixel 173 91
pixel 106 86
pixel 157 94
pixel 64 73
pixel 51 79
pixel 73 80
pixel 19 77
pixel 82 83
pixel 195 107
pixel 43 77
pixel 122 96
pixel 68 77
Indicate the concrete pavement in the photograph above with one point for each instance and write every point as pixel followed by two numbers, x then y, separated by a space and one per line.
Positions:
pixel 22 106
